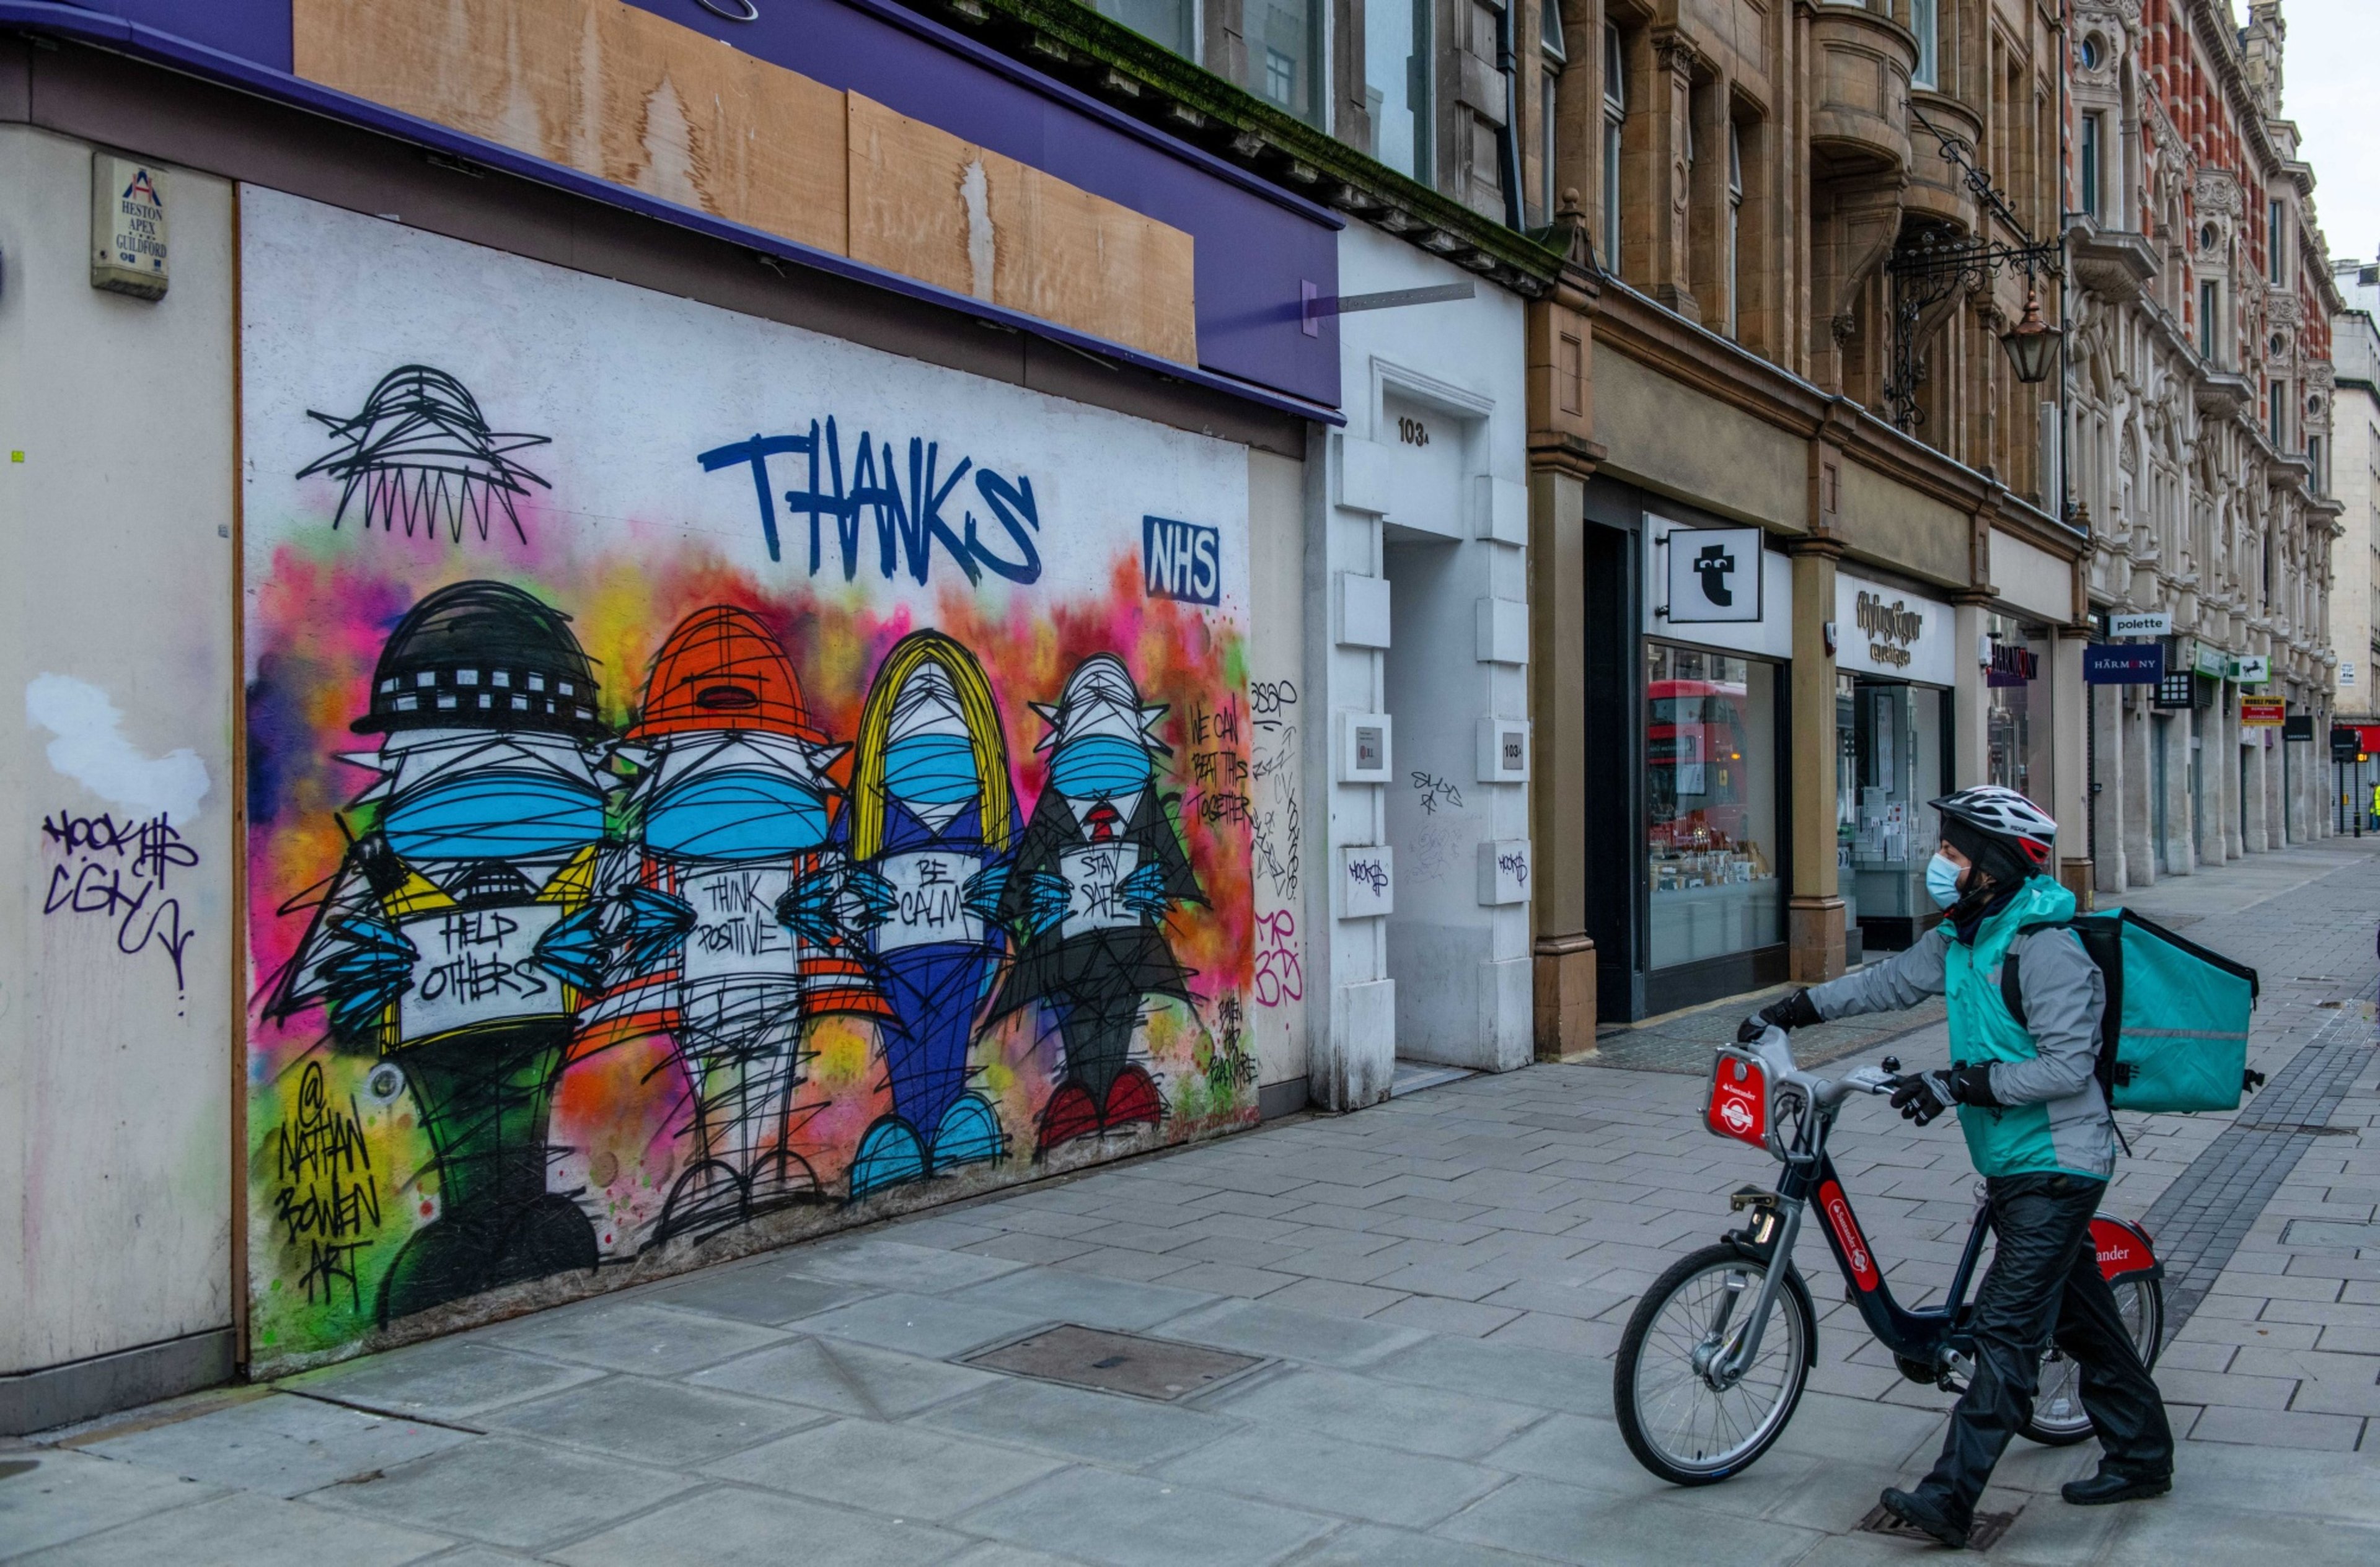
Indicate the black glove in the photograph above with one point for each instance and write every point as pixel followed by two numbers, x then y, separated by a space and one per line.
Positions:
pixel 1922 1097
pixel 1794 1012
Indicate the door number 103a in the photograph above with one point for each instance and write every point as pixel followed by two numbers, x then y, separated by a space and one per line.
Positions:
pixel 1413 432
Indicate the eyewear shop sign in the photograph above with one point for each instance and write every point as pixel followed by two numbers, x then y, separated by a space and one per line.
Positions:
pixel 703 775
pixel 1891 633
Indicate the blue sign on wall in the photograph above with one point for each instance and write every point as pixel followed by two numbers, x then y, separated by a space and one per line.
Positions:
pixel 1181 561
pixel 2123 664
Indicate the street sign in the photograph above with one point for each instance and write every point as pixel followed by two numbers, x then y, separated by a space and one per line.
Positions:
pixel 2263 712
pixel 2251 669
pixel 2123 664
pixel 2140 624
pixel 2299 726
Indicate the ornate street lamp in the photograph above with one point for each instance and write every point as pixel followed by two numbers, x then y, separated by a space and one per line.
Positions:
pixel 2032 343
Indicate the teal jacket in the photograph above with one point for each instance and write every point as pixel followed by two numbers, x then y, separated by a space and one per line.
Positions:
pixel 2052 1116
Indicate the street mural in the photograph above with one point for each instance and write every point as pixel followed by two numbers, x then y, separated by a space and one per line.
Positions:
pixel 665 838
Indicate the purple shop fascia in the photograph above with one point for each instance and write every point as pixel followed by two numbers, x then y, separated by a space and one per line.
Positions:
pixel 1260 250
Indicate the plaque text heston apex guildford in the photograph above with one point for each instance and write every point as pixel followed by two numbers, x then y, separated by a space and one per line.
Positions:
pixel 1891 629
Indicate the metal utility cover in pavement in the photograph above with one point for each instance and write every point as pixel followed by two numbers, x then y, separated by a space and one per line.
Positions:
pixel 1981 1535
pixel 2329 1232
pixel 1127 1363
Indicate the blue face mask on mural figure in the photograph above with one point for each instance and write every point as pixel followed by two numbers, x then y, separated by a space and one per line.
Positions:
pixel 736 814
pixel 932 769
pixel 493 815
pixel 1942 880
pixel 1099 767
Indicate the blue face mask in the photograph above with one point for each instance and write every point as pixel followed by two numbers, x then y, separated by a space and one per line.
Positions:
pixel 1942 880
pixel 736 816
pixel 494 815
pixel 1099 766
pixel 932 769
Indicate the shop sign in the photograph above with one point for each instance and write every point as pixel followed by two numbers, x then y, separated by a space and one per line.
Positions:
pixel 2123 664
pixel 2011 663
pixel 2210 663
pixel 2346 744
pixel 2263 712
pixel 2299 726
pixel 2251 669
pixel 1714 575
pixel 2159 623
pixel 1891 632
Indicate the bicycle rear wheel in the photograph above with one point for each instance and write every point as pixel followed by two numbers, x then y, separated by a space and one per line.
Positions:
pixel 2059 1417
pixel 1678 1423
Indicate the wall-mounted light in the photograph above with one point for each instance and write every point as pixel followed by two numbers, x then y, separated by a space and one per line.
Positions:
pixel 2032 343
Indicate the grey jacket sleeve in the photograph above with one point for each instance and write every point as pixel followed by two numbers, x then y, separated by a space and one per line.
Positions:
pixel 2064 997
pixel 1903 981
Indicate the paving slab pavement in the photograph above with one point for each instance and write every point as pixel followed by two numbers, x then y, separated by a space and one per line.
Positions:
pixel 1435 1286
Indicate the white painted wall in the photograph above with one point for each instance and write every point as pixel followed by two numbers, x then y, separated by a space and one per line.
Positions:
pixel 1282 729
pixel 115 647
pixel 1445 977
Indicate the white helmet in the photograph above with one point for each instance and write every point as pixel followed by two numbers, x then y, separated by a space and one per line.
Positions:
pixel 2005 814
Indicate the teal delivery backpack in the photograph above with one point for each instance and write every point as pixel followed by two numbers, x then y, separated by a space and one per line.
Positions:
pixel 2175 1036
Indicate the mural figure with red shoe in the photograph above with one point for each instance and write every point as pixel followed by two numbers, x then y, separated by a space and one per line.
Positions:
pixel 1099 867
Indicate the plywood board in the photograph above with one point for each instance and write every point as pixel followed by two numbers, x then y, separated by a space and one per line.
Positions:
pixel 638 100
pixel 603 88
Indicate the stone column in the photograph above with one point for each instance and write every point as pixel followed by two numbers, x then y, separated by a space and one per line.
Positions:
pixel 1970 696
pixel 2070 760
pixel 2255 794
pixel 1670 101
pixel 1814 910
pixel 2219 776
pixel 2180 827
pixel 2138 811
pixel 1564 954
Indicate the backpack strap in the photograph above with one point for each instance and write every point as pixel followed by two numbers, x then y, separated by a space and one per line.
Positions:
pixel 2012 996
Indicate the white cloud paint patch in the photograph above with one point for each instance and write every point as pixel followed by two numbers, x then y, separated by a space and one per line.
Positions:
pixel 90 748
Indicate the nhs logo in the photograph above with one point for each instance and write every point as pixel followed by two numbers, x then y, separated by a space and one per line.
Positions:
pixel 1181 561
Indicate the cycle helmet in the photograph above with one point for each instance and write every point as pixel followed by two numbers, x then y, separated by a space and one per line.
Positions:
pixel 2008 834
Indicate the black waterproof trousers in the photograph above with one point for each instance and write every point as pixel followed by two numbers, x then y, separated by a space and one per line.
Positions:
pixel 2044 1279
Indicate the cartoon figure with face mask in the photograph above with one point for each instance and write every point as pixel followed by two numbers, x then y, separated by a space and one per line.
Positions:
pixel 454 938
pixel 932 814
pixel 731 797
pixel 1100 867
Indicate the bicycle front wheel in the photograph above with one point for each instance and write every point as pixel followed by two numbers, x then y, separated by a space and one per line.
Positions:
pixel 2059 1417
pixel 1677 1418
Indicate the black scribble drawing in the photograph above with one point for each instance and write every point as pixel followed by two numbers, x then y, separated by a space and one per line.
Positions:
pixel 421 456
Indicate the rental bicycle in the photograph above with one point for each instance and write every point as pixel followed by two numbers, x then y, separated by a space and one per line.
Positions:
pixel 1718 1349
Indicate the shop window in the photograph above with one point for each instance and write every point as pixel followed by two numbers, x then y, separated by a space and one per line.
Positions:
pixel 1396 84
pixel 2017 721
pixel 1889 738
pixel 1711 795
pixel 1171 22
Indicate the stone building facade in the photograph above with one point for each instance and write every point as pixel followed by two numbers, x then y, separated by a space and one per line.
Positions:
pixel 2200 401
pixel 1799 233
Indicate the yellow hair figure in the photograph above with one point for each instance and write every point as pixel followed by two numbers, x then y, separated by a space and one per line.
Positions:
pixel 985 733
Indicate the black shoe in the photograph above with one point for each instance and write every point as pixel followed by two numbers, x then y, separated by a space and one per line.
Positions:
pixel 1912 1509
pixel 2114 1485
